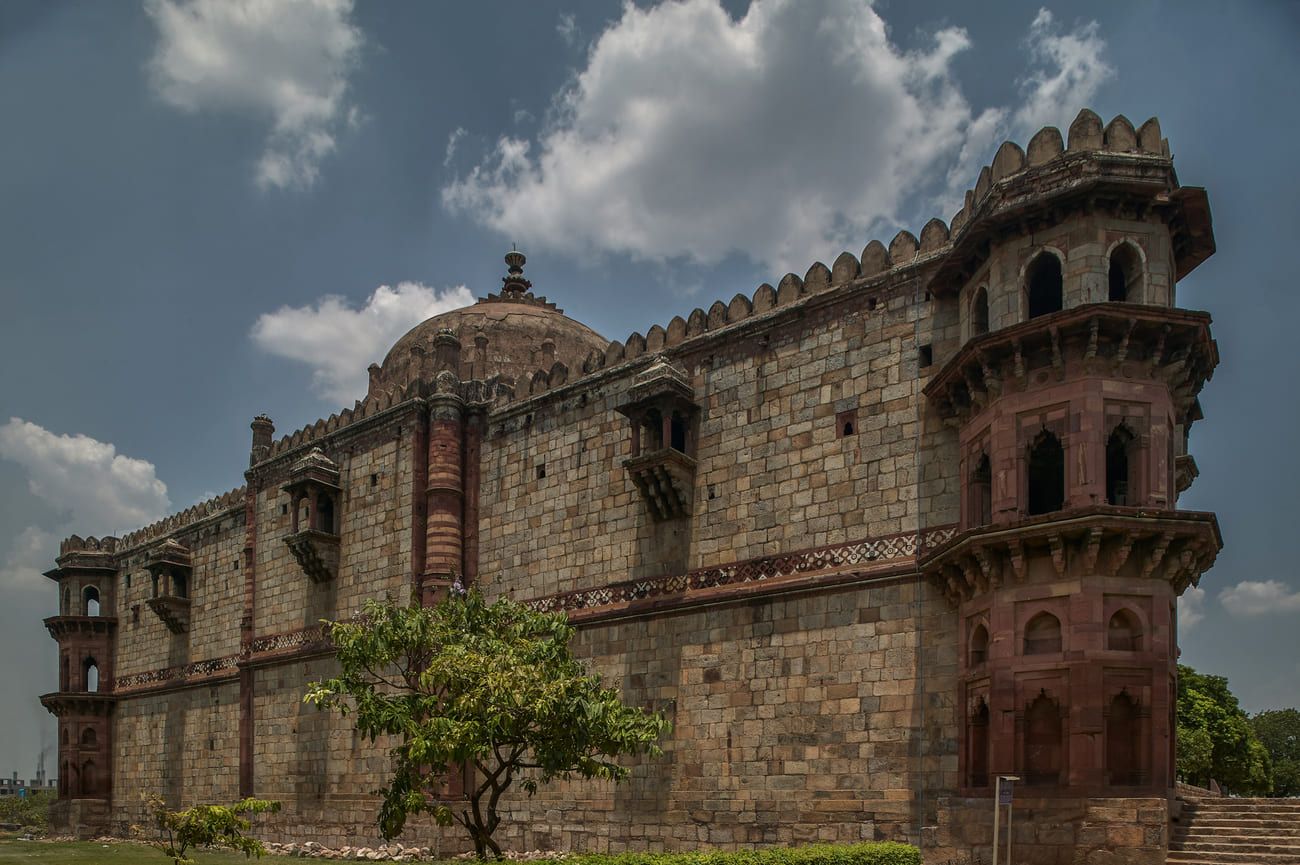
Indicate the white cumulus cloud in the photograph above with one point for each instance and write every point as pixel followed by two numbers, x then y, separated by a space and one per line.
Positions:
pixel 793 131
pixel 339 341
pixel 1260 598
pixel 287 61
pixel 95 489
pixel 1191 608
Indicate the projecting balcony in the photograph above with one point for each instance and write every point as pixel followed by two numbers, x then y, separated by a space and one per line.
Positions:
pixel 78 703
pixel 666 479
pixel 317 553
pixel 169 566
pixel 66 626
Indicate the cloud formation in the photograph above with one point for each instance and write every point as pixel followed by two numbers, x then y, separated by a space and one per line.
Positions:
pixel 792 131
pixel 95 489
pixel 338 342
pixel 287 61
pixel 1260 598
pixel 1191 608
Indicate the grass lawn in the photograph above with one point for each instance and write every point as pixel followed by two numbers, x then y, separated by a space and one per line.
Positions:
pixel 13 851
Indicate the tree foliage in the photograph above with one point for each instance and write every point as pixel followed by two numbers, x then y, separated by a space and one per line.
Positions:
pixel 489 689
pixel 31 811
pixel 1279 731
pixel 208 826
pixel 1215 738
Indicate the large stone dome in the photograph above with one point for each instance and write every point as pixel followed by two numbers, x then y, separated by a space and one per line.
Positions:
pixel 512 335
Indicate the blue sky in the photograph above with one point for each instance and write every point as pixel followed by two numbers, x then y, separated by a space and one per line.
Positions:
pixel 214 208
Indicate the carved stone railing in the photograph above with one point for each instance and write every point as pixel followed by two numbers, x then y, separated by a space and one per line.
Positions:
pixel 898 547
pixel 169 674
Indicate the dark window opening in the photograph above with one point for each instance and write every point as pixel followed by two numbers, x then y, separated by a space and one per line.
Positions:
pixel 541 471
pixel 325 515
pixel 713 491
pixel 871 303
pixel 284 510
pixel 979 645
pixel 925 355
pixel 1046 289
pixel 88 737
pixel 678 432
pixel 127 579
pixel 981 492
pixel 1042 741
pixel 1043 635
pixel 1046 475
pixel 179 587
pixel 1124 633
pixel 135 614
pixel 654 430
pixel 1118 467
pixel 846 423
pixel 88 779
pixel 1123 763
pixel 979 746
pixel 1125 274
pixel 979 314
pixel 374 480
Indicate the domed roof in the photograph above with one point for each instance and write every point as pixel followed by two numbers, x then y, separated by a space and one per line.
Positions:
pixel 512 335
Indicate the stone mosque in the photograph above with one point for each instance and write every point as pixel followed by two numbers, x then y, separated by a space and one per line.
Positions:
pixel 869 538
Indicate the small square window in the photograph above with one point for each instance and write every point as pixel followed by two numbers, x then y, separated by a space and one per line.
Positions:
pixel 541 470
pixel 374 481
pixel 284 510
pixel 846 423
pixel 871 303
pixel 925 355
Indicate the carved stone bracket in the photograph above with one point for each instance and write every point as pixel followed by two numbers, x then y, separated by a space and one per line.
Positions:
pixel 173 610
pixel 317 553
pixel 1176 546
pixel 666 479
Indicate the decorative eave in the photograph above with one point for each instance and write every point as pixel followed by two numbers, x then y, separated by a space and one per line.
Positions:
pixel 169 554
pixel 659 383
pixel 78 703
pixel 313 469
pixel 1185 472
pixel 64 626
pixel 1038 197
pixel 1125 339
pixel 1175 546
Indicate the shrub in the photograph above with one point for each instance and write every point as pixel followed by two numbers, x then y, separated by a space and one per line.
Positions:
pixel 30 811
pixel 880 853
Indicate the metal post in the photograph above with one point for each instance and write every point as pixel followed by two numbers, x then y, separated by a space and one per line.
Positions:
pixel 997 815
pixel 1010 807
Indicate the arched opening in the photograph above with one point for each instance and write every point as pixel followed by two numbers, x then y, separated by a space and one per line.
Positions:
pixel 979 645
pixel 1046 492
pixel 1043 741
pixel 1044 285
pixel 1124 633
pixel 1123 763
pixel 979 313
pixel 654 430
pixel 88 737
pixel 1119 467
pixel 65 674
pixel 981 492
pixel 90 601
pixel 180 586
pixel 678 432
pixel 90 675
pixel 1125 277
pixel 67 601
pixel 89 778
pixel 1043 635
pixel 325 514
pixel 978 755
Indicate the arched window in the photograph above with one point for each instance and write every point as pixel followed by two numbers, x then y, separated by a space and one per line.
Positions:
pixel 1125 277
pixel 979 313
pixel 1046 489
pixel 1124 633
pixel 1044 285
pixel 90 675
pixel 1119 467
pixel 979 645
pixel 90 601
pixel 1123 763
pixel 1043 635
pixel 88 737
pixel 978 755
pixel 981 492
pixel 1043 741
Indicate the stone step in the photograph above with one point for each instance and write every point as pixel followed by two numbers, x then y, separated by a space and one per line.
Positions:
pixel 1238 822
pixel 1242 815
pixel 1186 857
pixel 1236 804
pixel 1230 845
pixel 1208 830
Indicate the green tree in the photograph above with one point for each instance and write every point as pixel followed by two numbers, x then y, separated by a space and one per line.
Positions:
pixel 490 688
pixel 208 826
pixel 1279 731
pixel 1215 738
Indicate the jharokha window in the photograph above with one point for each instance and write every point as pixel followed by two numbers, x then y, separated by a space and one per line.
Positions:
pixel 1046 474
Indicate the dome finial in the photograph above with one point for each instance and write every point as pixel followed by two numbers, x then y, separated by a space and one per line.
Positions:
pixel 513 284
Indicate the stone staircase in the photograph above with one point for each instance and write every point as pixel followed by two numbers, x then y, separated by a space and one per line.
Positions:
pixel 1214 831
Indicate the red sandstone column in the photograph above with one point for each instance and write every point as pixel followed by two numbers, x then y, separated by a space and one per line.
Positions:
pixel 444 496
